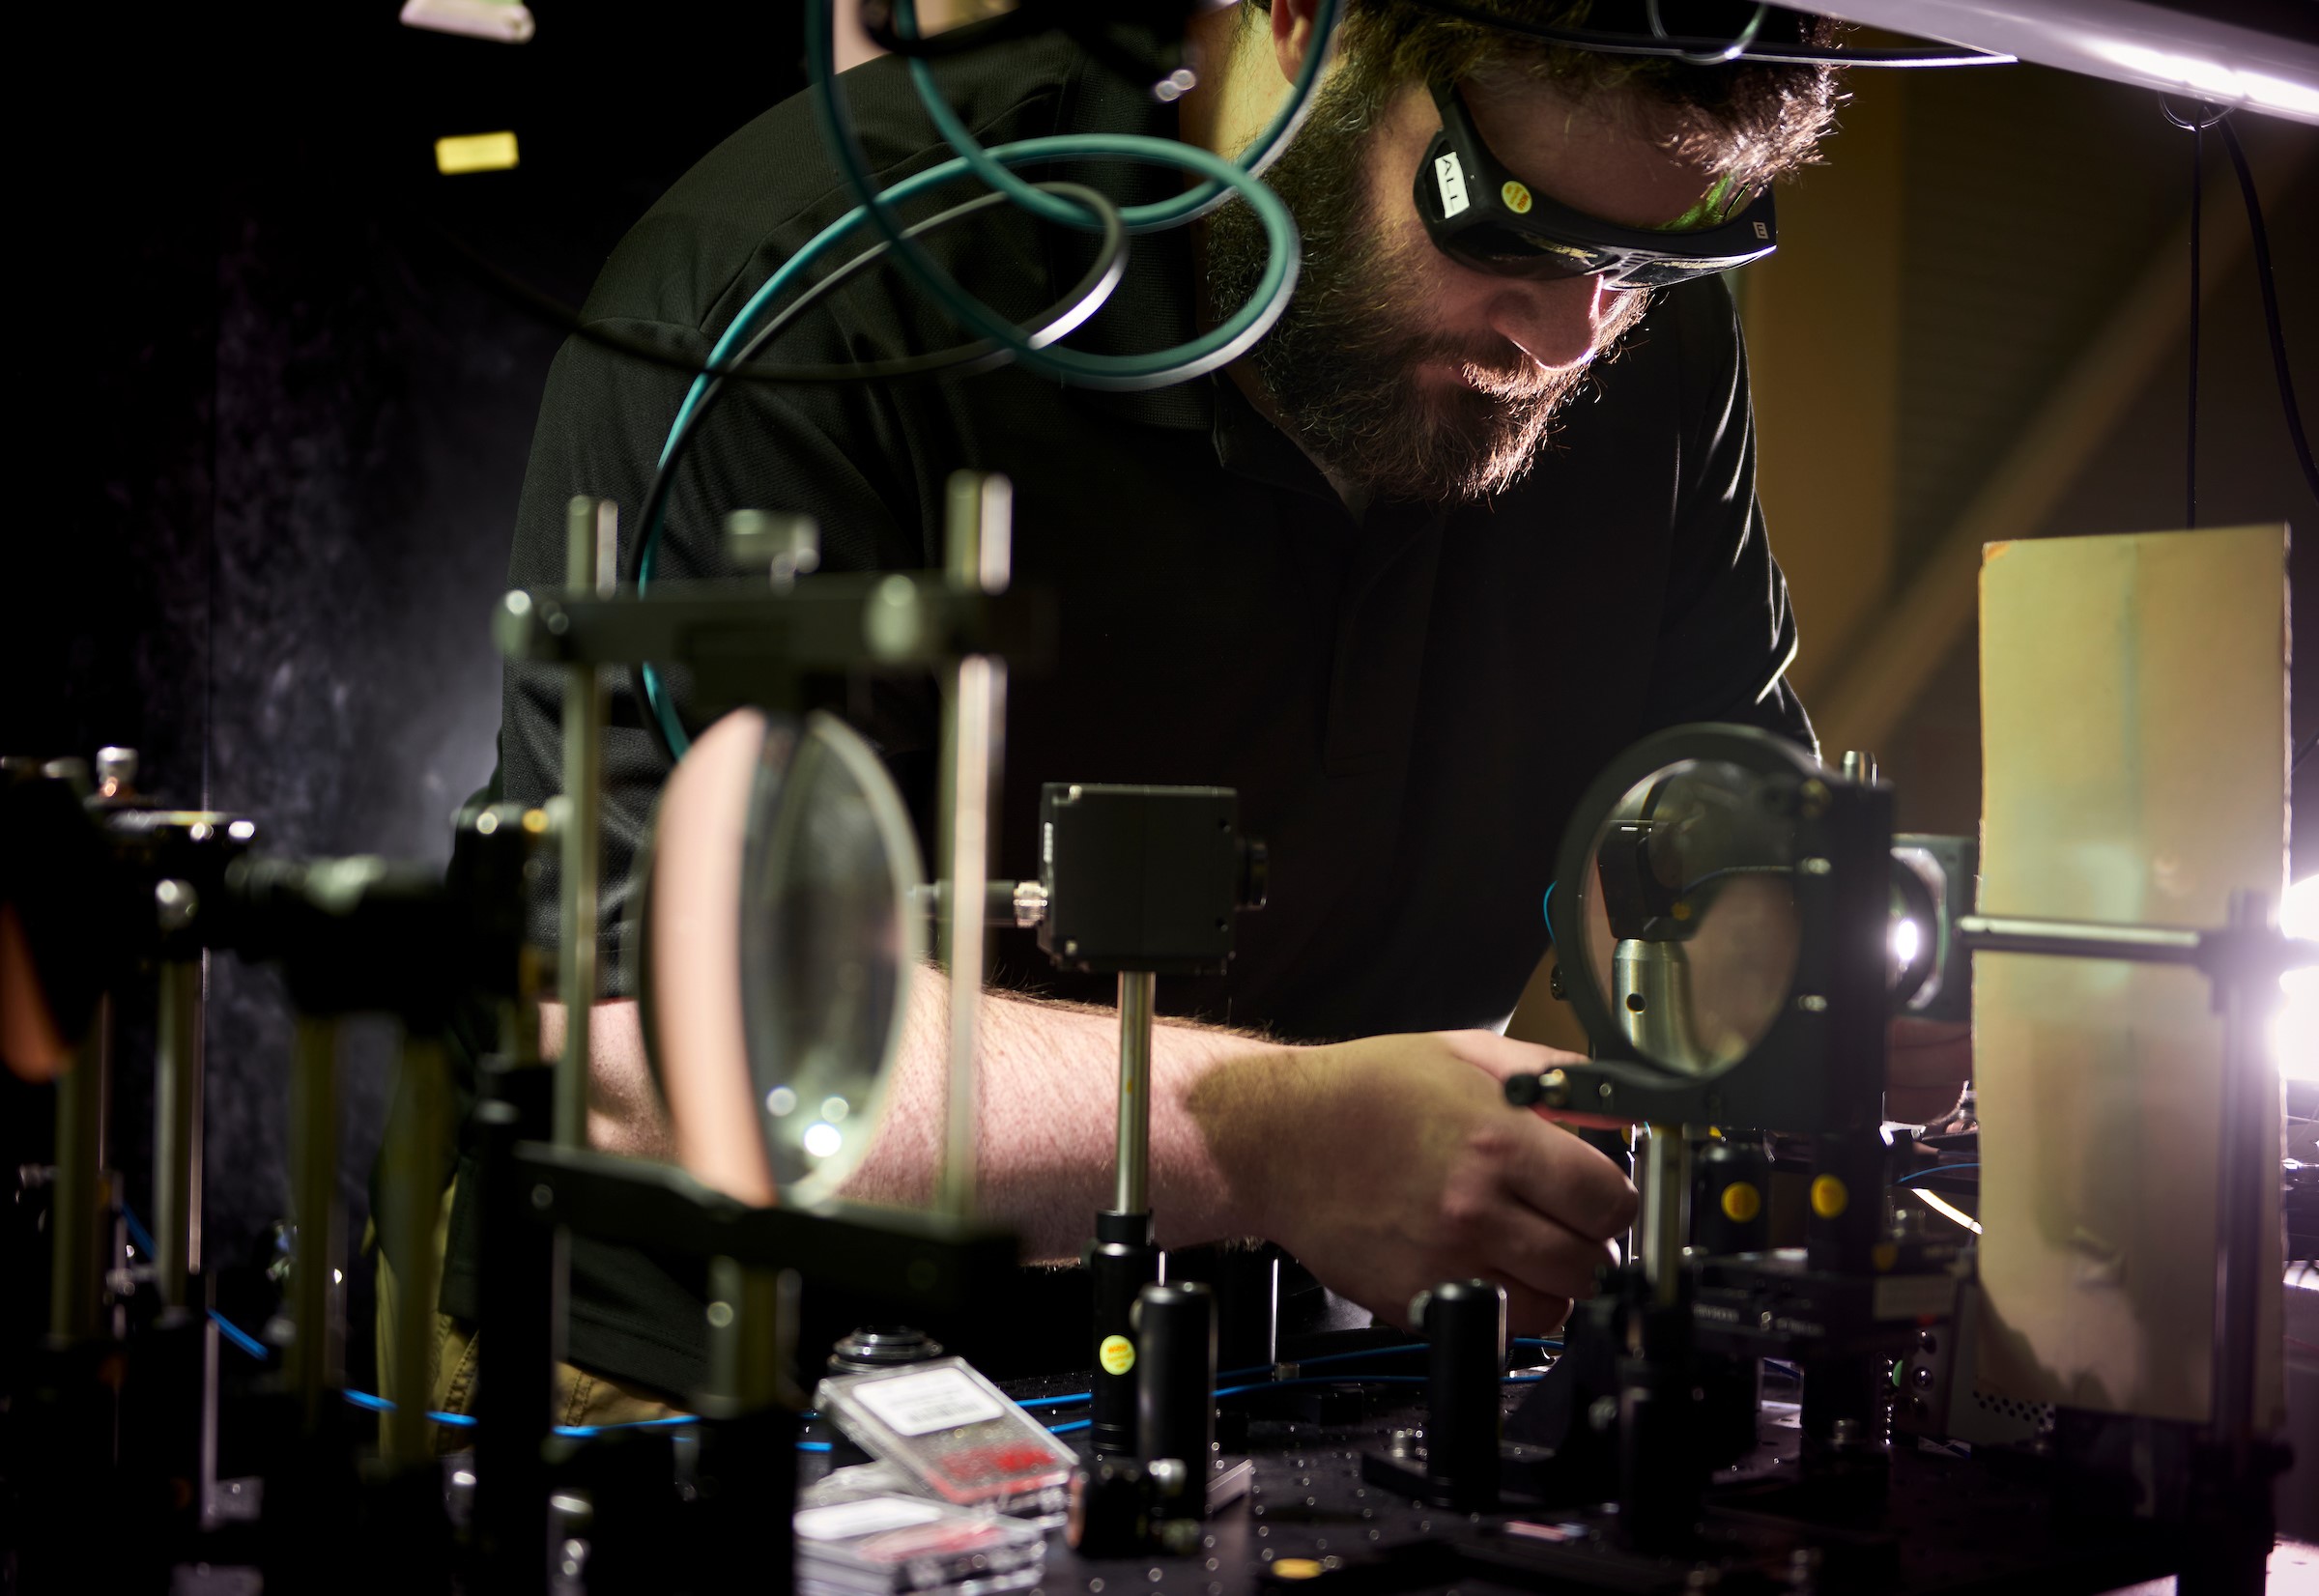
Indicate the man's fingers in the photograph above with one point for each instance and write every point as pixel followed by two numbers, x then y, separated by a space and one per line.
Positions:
pixel 1547 1257
pixel 1534 1313
pixel 1559 1176
pixel 1502 1056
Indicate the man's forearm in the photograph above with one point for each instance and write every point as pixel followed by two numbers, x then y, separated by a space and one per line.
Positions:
pixel 1048 1095
pixel 1384 1165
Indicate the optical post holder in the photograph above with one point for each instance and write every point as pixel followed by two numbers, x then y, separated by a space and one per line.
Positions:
pixel 1140 881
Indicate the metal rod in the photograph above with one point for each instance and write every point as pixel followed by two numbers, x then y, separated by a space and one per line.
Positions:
pixel 1984 933
pixel 76 1200
pixel 176 1130
pixel 979 542
pixel 317 1331
pixel 414 1209
pixel 1133 1193
pixel 1665 1189
pixel 2248 1126
pixel 591 541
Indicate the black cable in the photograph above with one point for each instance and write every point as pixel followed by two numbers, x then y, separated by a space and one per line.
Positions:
pixel 1023 21
pixel 2195 120
pixel 1678 48
pixel 962 360
pixel 1087 26
pixel 2189 464
pixel 1095 285
pixel 2261 237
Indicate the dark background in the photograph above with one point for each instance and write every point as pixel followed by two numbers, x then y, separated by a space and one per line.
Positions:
pixel 280 430
pixel 275 430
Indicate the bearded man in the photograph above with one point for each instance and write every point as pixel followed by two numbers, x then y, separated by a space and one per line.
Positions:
pixel 1407 576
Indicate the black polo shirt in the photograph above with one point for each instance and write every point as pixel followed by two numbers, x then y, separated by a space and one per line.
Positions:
pixel 1409 702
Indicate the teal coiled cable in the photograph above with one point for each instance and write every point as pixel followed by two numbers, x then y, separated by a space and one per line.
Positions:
pixel 1217 347
pixel 1139 218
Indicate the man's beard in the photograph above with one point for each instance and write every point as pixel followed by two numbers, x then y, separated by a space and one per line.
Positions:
pixel 1342 364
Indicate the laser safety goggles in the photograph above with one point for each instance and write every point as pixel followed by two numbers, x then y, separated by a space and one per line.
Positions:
pixel 1485 216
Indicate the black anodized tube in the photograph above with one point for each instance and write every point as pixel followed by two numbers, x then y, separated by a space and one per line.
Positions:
pixel 1121 1262
pixel 1175 1375
pixel 1464 1323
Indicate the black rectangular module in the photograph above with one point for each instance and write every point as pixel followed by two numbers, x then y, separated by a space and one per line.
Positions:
pixel 1140 877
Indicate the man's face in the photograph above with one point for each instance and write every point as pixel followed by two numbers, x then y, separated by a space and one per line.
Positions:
pixel 1402 371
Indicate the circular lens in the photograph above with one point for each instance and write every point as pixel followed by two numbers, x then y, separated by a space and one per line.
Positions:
pixel 827 947
pixel 1692 932
pixel 778 950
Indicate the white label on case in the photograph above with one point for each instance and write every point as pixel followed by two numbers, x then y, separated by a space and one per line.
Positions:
pixel 1451 177
pixel 868 1517
pixel 940 1399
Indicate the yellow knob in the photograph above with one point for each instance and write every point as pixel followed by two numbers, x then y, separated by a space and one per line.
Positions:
pixel 1741 1202
pixel 1830 1199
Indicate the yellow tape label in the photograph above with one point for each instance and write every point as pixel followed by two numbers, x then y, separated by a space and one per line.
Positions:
pixel 474 153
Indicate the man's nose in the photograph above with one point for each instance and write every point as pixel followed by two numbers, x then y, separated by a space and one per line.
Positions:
pixel 1557 323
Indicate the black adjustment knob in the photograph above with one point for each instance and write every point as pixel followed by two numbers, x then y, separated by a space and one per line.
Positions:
pixel 1175 1378
pixel 1464 1323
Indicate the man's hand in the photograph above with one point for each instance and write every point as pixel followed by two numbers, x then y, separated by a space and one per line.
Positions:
pixel 1392 1163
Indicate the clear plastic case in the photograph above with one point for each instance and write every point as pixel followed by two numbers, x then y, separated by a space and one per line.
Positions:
pixel 958 1437
pixel 891 1545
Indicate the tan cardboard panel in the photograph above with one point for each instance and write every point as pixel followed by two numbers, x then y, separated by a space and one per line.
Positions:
pixel 2134 747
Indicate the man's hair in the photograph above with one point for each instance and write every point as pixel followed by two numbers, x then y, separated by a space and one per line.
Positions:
pixel 1753 120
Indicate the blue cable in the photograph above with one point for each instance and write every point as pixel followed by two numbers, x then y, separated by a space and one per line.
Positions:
pixel 138 1233
pixel 1350 1357
pixel 1067 1429
pixel 1546 908
pixel 1936 1169
pixel 239 1336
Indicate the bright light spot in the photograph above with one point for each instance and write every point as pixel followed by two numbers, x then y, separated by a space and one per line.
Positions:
pixel 781 1103
pixel 833 1110
pixel 1947 1210
pixel 1907 941
pixel 823 1139
pixel 337 1277
pixel 2296 1036
pixel 2230 85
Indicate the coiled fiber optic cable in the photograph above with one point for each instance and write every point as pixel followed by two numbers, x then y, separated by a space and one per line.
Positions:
pixel 1140 218
pixel 1217 347
pixel 1085 298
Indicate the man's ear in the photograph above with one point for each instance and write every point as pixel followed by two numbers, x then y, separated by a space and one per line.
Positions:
pixel 1292 34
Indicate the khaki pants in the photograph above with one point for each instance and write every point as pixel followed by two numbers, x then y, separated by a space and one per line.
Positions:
pixel 582 1397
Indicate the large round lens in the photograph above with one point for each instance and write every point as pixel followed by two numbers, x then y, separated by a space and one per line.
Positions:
pixel 1691 929
pixel 827 948
pixel 778 951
